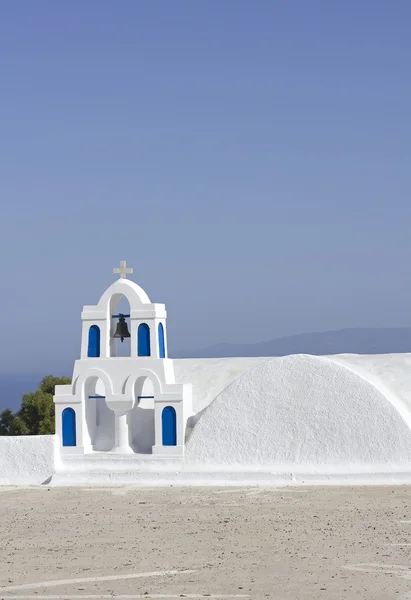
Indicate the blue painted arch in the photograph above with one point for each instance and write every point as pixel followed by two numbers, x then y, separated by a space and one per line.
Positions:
pixel 143 340
pixel 68 427
pixel 169 426
pixel 93 342
pixel 161 343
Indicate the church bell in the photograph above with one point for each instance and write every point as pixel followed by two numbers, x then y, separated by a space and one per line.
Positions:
pixel 122 329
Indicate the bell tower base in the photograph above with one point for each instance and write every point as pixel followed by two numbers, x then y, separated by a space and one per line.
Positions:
pixel 168 451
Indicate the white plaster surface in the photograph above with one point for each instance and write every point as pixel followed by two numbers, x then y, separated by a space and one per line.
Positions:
pixel 27 460
pixel 304 410
pixel 295 419
pixel 210 376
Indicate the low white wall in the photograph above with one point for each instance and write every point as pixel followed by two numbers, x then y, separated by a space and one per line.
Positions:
pixel 26 459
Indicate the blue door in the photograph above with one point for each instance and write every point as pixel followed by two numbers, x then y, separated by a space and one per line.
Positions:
pixel 94 342
pixel 143 340
pixel 168 422
pixel 69 427
pixel 161 341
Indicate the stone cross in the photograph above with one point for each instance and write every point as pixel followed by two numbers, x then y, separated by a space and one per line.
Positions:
pixel 123 270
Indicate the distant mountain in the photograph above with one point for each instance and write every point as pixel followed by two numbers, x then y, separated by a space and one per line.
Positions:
pixel 352 341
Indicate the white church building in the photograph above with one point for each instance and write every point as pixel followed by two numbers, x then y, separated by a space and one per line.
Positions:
pixel 123 404
pixel 133 415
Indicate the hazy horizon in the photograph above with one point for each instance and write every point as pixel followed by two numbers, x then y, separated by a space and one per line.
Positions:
pixel 250 161
pixel 66 369
pixel 358 341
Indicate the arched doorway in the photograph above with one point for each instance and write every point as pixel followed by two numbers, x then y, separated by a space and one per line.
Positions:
pixel 68 427
pixel 99 418
pixel 141 418
pixel 168 425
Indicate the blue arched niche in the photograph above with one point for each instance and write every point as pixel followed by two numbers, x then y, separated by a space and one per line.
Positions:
pixel 169 426
pixel 94 342
pixel 161 344
pixel 68 427
pixel 143 340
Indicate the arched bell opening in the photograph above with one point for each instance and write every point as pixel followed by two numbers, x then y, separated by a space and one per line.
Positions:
pixel 143 340
pixel 120 330
pixel 141 418
pixel 99 418
pixel 161 341
pixel 93 350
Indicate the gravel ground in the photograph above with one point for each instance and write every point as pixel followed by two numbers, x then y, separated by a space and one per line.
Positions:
pixel 285 544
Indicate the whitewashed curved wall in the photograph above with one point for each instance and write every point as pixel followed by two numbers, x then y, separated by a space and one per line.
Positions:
pixel 210 376
pixel 301 410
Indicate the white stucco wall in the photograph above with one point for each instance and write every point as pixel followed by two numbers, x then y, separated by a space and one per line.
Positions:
pixel 298 414
pixel 27 460
pixel 302 410
pixel 210 376
pixel 388 372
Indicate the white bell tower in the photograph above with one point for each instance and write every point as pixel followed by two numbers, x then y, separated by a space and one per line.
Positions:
pixel 123 404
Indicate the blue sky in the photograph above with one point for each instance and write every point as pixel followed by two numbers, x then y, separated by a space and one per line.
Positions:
pixel 250 160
